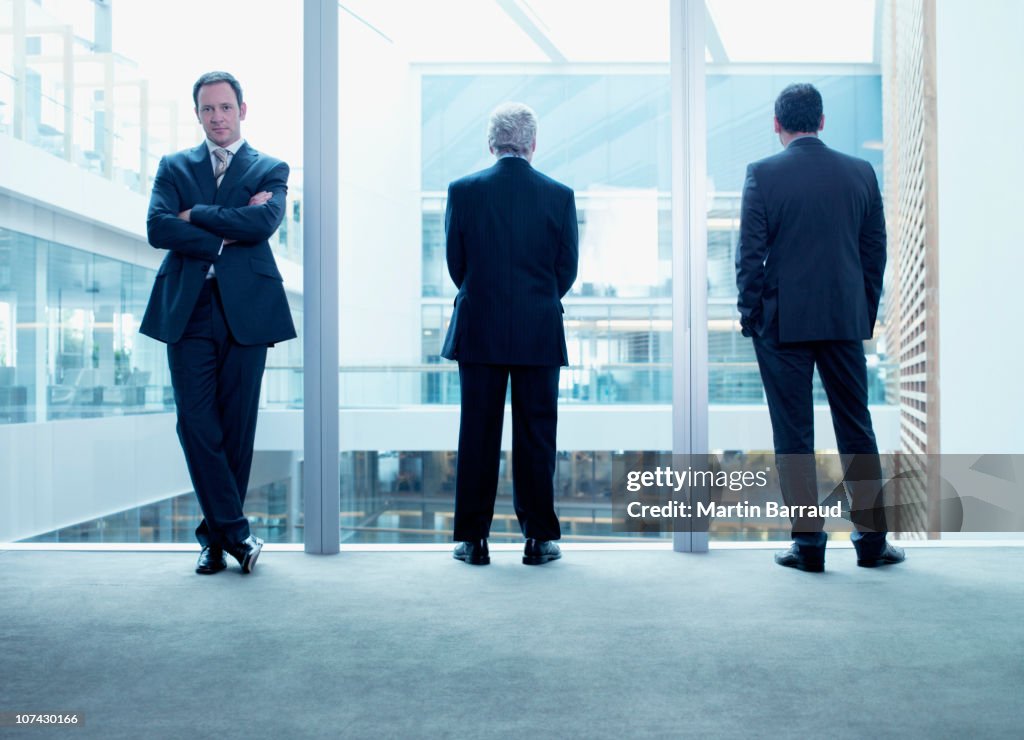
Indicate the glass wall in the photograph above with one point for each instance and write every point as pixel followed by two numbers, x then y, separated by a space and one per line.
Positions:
pixel 744 74
pixel 416 92
pixel 608 135
pixel 739 111
pixel 87 87
pixel 89 103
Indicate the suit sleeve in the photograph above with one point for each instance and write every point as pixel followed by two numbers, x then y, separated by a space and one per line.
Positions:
pixel 455 248
pixel 165 230
pixel 751 253
pixel 872 250
pixel 568 260
pixel 251 224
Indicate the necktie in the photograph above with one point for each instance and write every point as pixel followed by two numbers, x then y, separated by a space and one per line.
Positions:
pixel 222 164
pixel 221 156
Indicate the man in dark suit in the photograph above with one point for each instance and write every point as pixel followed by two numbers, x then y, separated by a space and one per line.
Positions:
pixel 512 247
pixel 218 302
pixel 809 270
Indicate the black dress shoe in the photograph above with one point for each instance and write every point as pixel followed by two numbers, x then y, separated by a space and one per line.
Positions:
pixel 211 560
pixel 793 558
pixel 890 555
pixel 474 553
pixel 246 552
pixel 538 552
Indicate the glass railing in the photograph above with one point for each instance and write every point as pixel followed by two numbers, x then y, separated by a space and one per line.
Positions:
pixel 84 394
pixel 729 383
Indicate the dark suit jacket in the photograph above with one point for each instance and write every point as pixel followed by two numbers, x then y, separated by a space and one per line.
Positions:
pixel 250 285
pixel 812 245
pixel 513 250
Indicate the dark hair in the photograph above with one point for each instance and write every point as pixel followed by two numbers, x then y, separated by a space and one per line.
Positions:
pixel 212 78
pixel 798 108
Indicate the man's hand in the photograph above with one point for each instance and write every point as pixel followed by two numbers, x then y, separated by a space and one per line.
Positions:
pixel 186 215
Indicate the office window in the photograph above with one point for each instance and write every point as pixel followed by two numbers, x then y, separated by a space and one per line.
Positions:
pixel 753 52
pixel 416 90
pixel 92 95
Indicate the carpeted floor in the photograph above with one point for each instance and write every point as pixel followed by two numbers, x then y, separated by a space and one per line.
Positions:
pixel 598 645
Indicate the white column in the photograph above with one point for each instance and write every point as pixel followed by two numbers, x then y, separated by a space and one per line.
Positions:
pixel 689 245
pixel 321 478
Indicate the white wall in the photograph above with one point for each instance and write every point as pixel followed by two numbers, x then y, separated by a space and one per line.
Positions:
pixel 979 58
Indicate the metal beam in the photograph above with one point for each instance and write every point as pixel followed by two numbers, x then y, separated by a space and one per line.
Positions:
pixel 321 473
pixel 689 246
pixel 515 10
pixel 712 39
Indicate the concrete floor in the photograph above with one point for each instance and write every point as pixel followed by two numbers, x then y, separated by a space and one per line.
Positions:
pixel 599 645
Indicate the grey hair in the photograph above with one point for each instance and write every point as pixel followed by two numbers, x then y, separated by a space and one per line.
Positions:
pixel 512 129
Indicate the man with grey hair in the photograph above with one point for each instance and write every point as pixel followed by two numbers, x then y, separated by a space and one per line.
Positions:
pixel 512 247
pixel 513 130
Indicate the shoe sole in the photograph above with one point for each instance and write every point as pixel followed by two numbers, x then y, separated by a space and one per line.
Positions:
pixel 209 571
pixel 877 563
pixel 805 567
pixel 250 562
pixel 473 561
pixel 812 568
pixel 540 559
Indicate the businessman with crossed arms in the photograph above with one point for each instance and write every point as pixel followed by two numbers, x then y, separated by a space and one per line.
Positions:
pixel 218 302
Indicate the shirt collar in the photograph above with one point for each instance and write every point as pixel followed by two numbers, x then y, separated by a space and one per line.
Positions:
pixel 233 148
pixel 802 136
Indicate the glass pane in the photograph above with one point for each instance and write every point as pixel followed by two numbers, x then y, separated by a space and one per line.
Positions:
pixel 82 137
pixel 753 52
pixel 416 93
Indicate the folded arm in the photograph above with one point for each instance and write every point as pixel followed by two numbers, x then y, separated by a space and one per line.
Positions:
pixel 249 223
pixel 872 250
pixel 568 249
pixel 751 253
pixel 165 230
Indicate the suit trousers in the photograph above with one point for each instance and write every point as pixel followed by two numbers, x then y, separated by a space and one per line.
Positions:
pixel 216 390
pixel 534 422
pixel 787 370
